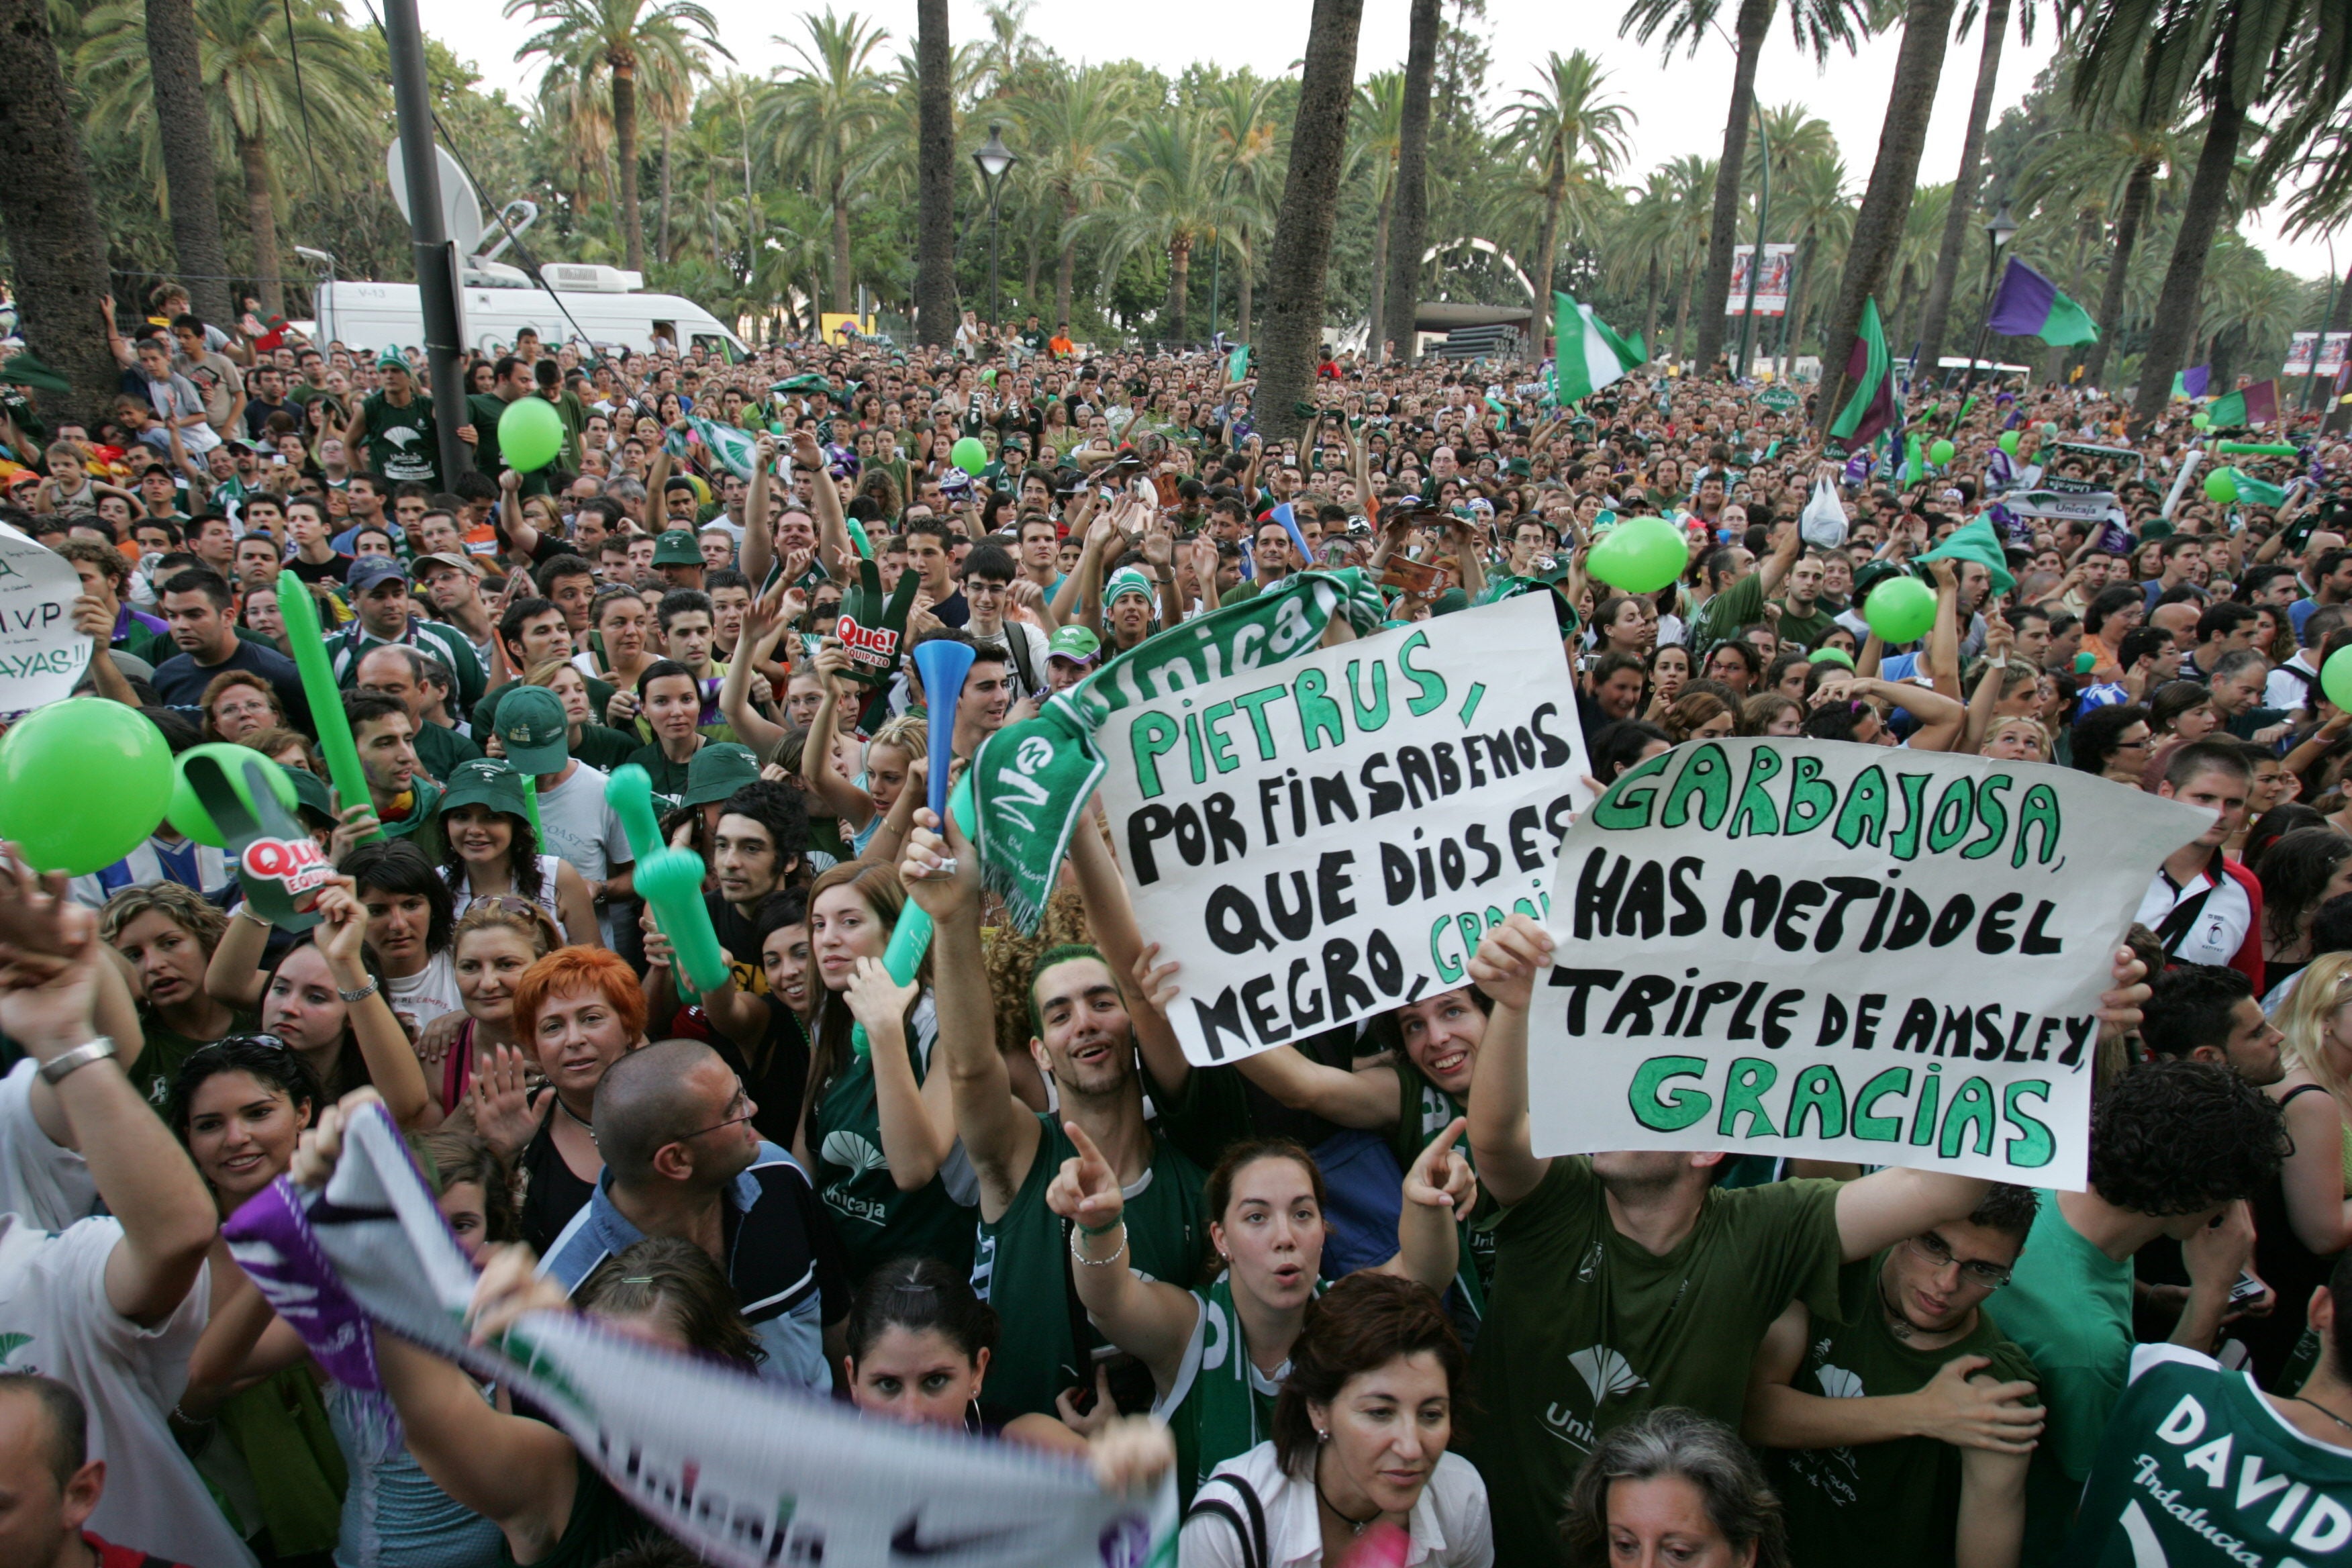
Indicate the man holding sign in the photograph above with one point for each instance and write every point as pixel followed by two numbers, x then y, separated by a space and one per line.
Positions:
pixel 1625 1281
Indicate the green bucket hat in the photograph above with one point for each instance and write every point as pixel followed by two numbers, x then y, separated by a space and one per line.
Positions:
pixel 1976 542
pixel 533 729
pixel 675 547
pixel 311 796
pixel 718 771
pixel 485 781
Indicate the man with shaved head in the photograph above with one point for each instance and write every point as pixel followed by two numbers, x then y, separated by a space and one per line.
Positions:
pixel 682 1159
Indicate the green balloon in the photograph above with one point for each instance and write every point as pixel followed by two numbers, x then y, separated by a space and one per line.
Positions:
pixel 1940 454
pixel 2200 421
pixel 2009 442
pixel 187 812
pixel 970 456
pixel 1639 555
pixel 530 433
pixel 47 766
pixel 1900 610
pixel 2221 485
pixel 2335 678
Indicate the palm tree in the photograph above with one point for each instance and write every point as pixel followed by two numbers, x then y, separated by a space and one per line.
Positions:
pixel 1933 317
pixel 245 67
pixel 935 289
pixel 1643 251
pixel 578 120
pixel 1310 199
pixel 1411 206
pixel 1878 226
pixel 1073 125
pixel 1815 25
pixel 185 129
pixel 1692 182
pixel 1173 204
pixel 823 123
pixel 1564 125
pixel 2236 56
pixel 1240 113
pixel 48 215
pixel 613 40
pixel 2120 164
pixel 1377 130
pixel 1820 214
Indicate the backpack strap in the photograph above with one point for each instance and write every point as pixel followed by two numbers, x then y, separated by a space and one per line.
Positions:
pixel 1251 1531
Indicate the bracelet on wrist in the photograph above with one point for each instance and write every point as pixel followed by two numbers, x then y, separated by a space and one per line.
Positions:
pixel 1078 1254
pixel 1102 1229
pixel 362 992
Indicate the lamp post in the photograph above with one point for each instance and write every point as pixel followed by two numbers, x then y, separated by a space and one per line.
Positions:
pixel 1755 262
pixel 1999 230
pixel 995 161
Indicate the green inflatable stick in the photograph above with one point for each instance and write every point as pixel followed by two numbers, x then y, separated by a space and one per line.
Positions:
pixel 912 937
pixel 530 800
pixel 630 793
pixel 670 882
pixel 300 613
pixel 2256 449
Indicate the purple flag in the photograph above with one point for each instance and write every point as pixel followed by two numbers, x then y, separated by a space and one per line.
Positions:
pixel 2193 383
pixel 2028 305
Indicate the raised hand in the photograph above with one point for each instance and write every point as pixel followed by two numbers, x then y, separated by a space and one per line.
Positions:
pixel 1085 1189
pixel 1155 982
pixel 1505 965
pixel 342 931
pixel 320 1147
pixel 1440 1177
pixel 940 872
pixel 876 1000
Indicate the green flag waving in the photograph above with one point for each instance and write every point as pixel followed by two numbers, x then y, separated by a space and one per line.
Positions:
pixel 1590 355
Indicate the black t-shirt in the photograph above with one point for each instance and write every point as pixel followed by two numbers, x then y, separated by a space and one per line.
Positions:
pixel 179 681
pixel 954 610
pixel 330 570
pixel 776 1075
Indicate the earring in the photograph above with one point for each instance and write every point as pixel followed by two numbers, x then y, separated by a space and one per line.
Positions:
pixel 1322 1436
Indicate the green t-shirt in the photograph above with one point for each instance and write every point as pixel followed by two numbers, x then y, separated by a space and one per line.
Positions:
pixel 1804 631
pixel 1585 1330
pixel 874 1218
pixel 1878 1502
pixel 1740 605
pixel 1022 1268
pixel 401 442
pixel 670 779
pixel 2069 1306
pixel 440 750
pixel 1220 1405
pixel 160 1058
pixel 2195 1456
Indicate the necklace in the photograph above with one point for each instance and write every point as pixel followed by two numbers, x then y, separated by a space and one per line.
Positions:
pixel 575 1116
pixel 1355 1526
pixel 2299 1399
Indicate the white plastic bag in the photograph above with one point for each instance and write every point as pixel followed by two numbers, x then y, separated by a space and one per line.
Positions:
pixel 1822 522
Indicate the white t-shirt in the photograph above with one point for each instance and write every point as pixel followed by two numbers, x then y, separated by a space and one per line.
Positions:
pixel 55 1318
pixel 1449 1526
pixel 48 1185
pixel 425 994
pixel 577 824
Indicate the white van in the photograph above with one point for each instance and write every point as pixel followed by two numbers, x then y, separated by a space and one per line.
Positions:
pixel 386 315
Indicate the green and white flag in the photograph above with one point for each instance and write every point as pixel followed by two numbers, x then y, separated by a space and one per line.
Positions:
pixel 737 448
pixel 1237 365
pixel 1590 355
pixel 1030 781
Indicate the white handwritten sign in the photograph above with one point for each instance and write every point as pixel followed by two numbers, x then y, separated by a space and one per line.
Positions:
pixel 41 654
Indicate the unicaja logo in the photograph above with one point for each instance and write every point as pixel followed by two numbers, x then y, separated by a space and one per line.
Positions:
pixel 1605 1371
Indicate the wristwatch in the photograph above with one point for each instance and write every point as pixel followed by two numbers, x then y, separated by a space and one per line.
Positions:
pixel 82 1055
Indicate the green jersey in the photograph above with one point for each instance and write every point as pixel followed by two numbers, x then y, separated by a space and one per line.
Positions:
pixel 2197 1467
pixel 160 1058
pixel 1023 1264
pixel 874 1219
pixel 1585 1330
pixel 1220 1405
pixel 1878 1502
pixel 401 442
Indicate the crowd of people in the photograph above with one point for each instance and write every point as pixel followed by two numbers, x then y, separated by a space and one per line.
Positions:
pixel 996 1198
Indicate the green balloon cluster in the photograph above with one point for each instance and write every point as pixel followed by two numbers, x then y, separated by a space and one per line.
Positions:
pixel 1900 610
pixel 2221 486
pixel 48 806
pixel 187 812
pixel 531 433
pixel 2200 421
pixel 1639 555
pixel 1940 454
pixel 969 455
pixel 2335 678
pixel 2009 442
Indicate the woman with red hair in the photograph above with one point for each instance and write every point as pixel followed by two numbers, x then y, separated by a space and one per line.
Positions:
pixel 576 1012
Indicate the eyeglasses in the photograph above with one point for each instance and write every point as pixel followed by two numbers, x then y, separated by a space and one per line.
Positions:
pixel 738 1110
pixel 2134 745
pixel 1932 1248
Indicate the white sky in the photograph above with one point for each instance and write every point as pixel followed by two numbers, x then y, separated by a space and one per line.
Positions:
pixel 1681 103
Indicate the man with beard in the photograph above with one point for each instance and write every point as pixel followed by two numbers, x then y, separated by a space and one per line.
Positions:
pixel 755 851
pixel 1903 1434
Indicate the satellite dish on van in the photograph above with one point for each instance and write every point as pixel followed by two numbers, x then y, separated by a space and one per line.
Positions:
pixel 461 208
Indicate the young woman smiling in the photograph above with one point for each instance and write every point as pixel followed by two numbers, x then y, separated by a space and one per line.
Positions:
pixel 492 945
pixel 493 850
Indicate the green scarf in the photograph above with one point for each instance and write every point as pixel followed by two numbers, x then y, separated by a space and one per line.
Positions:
pixel 1031 781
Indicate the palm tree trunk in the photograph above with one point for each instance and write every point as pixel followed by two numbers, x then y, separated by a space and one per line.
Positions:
pixel 1755 21
pixel 1798 300
pixel 1379 272
pixel 2175 322
pixel 624 145
pixel 1682 312
pixel 1547 253
pixel 845 301
pixel 1650 310
pixel 1066 270
pixel 1878 225
pixel 935 289
pixel 261 219
pixel 1246 289
pixel 50 218
pixel 184 127
pixel 2138 192
pixel 1933 317
pixel 1302 230
pixel 1180 283
pixel 661 245
pixel 1411 230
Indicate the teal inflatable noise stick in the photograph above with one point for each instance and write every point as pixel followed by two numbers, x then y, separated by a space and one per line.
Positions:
pixel 911 938
pixel 669 880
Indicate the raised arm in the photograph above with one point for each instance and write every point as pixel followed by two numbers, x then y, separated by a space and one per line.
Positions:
pixel 1504 968
pixel 1146 1318
pixel 1111 918
pixel 834 552
pixel 768 614
pixel 1366 1100
pixel 918 1120
pixel 391 1062
pixel 819 771
pixel 759 540
pixel 233 977
pixel 1437 1188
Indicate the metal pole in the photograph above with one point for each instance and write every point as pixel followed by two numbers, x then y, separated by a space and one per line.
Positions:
pixel 2319 349
pixel 1755 262
pixel 436 262
pixel 995 293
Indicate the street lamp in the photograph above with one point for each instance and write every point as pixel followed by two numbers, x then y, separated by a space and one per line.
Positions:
pixel 995 161
pixel 1999 230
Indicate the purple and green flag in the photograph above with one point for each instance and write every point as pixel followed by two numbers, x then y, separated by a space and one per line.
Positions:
pixel 2255 404
pixel 1872 406
pixel 2028 305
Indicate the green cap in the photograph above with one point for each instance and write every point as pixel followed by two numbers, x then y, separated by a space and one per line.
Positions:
pixel 1122 583
pixel 485 781
pixel 718 771
pixel 310 795
pixel 391 359
pixel 675 547
pixel 534 730
pixel 1075 644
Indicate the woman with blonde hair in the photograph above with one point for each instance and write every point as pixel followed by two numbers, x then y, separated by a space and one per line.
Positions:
pixel 862 803
pixel 600 746
pixel 2302 1220
pixel 493 943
